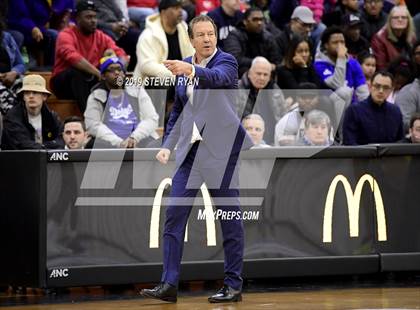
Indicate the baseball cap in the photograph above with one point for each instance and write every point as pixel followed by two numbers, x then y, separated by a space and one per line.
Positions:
pixel 164 4
pixel 85 5
pixel 304 14
pixel 350 20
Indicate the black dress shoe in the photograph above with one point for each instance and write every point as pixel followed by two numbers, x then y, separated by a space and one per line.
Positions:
pixel 226 294
pixel 163 291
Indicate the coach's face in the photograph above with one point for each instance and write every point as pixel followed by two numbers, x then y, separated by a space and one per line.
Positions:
pixel 203 39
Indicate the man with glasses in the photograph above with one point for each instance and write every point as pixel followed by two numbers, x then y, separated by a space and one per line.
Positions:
pixel 250 40
pixel 118 117
pixel 374 120
pixel 301 24
pixel 373 18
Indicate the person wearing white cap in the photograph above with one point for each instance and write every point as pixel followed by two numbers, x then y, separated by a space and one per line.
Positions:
pixel 30 124
pixel 301 24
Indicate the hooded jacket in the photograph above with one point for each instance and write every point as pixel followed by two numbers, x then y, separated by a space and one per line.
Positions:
pixel 152 48
pixel 342 73
pixel 139 101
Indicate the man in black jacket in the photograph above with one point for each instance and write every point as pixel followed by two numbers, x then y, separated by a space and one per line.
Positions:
pixel 250 40
pixel 30 124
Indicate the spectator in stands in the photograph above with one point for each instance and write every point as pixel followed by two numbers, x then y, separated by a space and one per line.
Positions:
pixel 355 42
pixel 413 130
pixel 374 120
pixel 255 127
pixel 290 127
pixel 139 10
pixel 226 17
pixel 79 49
pixel 408 99
pixel 415 56
pixel 317 130
pixel 17 36
pixel 116 116
pixel 297 65
pixel 368 64
pixel 33 19
pixel 281 10
pixel 301 24
pixel 403 71
pixel 373 18
pixel 337 70
pixel 395 38
pixel 75 135
pixel 250 40
pixel 111 20
pixel 342 8
pixel 205 6
pixel 165 37
pixel 264 97
pixel 11 70
pixel 30 124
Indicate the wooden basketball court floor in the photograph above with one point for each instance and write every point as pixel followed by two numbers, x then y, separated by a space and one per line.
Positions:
pixel 307 296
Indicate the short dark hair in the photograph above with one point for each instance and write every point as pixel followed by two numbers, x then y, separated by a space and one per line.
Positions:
pixel 383 73
pixel 414 117
pixel 249 11
pixel 75 119
pixel 363 56
pixel 326 35
pixel 200 19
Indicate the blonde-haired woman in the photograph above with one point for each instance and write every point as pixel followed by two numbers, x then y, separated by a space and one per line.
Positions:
pixel 395 39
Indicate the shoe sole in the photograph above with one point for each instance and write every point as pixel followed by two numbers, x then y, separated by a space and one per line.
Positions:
pixel 167 299
pixel 219 301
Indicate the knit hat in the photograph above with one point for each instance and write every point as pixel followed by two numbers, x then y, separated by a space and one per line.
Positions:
pixel 105 62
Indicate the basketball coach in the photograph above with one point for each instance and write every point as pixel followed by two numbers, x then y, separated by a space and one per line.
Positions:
pixel 208 137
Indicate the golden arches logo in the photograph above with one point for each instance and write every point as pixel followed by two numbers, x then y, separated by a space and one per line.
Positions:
pixel 353 204
pixel 155 218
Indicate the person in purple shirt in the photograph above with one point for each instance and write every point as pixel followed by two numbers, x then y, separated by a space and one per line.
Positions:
pixel 374 120
pixel 30 17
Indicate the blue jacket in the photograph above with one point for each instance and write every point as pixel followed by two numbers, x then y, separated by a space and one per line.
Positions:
pixel 225 23
pixel 213 110
pixel 12 49
pixel 24 15
pixel 366 122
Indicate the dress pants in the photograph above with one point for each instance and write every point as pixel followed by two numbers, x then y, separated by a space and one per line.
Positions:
pixel 185 184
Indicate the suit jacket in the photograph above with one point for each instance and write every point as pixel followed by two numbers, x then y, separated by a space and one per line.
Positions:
pixel 213 111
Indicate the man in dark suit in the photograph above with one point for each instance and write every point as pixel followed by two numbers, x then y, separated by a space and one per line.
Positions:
pixel 204 126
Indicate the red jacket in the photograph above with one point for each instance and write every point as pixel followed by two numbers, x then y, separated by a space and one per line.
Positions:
pixel 142 3
pixel 385 51
pixel 72 46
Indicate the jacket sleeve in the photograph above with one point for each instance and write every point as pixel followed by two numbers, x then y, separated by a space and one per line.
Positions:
pixel 350 126
pixel 222 75
pixel 148 117
pixel 173 127
pixel 408 101
pixel 66 48
pixel 148 57
pixel 334 79
pixel 379 50
pixel 17 65
pixel 17 137
pixel 94 124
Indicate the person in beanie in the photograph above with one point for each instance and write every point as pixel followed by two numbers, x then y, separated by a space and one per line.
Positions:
pixel 30 124
pixel 119 117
